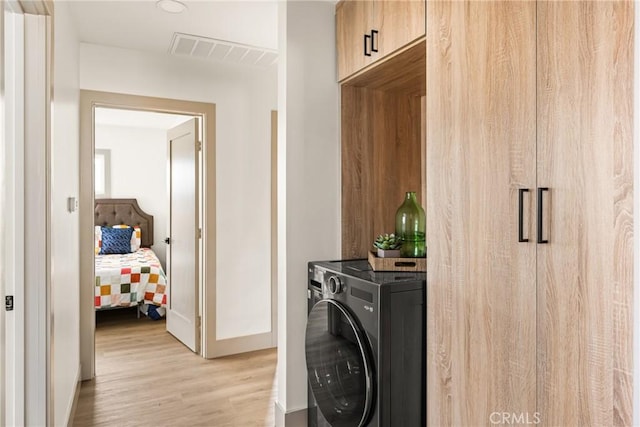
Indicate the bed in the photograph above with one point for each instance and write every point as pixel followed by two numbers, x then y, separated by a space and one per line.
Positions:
pixel 127 279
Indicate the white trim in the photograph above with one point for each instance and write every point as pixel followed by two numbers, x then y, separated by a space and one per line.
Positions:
pixel 229 346
pixel 4 354
pixel 293 418
pixel 37 215
pixel 14 216
pixel 73 403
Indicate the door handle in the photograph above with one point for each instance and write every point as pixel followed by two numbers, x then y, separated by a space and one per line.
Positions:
pixel 167 241
pixel 541 191
pixel 521 192
pixel 367 52
pixel 374 43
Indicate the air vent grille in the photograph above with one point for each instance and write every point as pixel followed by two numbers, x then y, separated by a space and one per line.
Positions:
pixel 221 50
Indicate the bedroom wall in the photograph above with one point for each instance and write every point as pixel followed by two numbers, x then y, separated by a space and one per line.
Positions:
pixel 139 171
pixel 65 225
pixel 244 98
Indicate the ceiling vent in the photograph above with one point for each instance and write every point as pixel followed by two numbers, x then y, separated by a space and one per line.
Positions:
pixel 221 50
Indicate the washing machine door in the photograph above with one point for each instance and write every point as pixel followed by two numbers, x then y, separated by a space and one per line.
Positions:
pixel 339 365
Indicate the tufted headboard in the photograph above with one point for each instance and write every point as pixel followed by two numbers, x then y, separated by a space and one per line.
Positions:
pixel 110 212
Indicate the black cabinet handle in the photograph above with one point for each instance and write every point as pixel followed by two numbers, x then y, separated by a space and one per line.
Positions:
pixel 167 241
pixel 374 43
pixel 541 191
pixel 521 192
pixel 367 37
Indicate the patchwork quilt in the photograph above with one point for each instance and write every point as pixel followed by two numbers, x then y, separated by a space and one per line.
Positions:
pixel 128 279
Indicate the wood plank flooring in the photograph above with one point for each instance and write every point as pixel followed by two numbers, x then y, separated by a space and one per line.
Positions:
pixel 145 377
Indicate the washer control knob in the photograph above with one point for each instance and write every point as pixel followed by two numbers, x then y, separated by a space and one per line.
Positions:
pixel 335 285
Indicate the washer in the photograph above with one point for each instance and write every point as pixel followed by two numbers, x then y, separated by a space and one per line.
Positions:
pixel 365 346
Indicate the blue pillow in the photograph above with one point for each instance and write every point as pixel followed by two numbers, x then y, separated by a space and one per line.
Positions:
pixel 116 240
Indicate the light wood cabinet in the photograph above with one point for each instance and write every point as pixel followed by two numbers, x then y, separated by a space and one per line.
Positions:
pixel 480 150
pixel 584 156
pixel 529 96
pixel 382 147
pixel 369 31
pixel 354 20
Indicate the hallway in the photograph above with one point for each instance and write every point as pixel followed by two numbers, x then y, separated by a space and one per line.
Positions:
pixel 145 377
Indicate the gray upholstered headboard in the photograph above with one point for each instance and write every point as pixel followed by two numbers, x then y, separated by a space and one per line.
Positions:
pixel 110 212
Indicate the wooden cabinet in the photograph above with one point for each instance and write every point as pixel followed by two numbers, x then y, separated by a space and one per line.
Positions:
pixel 527 96
pixel 382 147
pixel 584 156
pixel 368 31
pixel 354 20
pixel 480 150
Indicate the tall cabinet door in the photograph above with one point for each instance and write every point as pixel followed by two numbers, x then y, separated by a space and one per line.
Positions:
pixel 481 143
pixel 585 159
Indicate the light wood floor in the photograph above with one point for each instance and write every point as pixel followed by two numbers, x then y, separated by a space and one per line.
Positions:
pixel 145 377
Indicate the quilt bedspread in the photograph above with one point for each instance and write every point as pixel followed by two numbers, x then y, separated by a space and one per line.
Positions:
pixel 128 279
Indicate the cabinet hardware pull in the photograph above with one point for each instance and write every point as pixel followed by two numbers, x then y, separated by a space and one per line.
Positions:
pixel 367 37
pixel 374 43
pixel 541 191
pixel 521 192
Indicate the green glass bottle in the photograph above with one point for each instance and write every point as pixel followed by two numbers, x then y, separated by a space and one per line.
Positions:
pixel 410 226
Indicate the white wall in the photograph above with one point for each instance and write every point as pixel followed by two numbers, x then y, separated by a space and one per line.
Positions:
pixel 244 98
pixel 308 181
pixel 65 225
pixel 139 171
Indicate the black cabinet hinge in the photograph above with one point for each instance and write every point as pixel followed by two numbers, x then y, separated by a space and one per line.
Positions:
pixel 8 302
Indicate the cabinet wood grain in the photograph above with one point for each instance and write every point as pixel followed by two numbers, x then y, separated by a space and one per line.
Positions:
pixel 481 115
pixel 353 21
pixel 511 85
pixel 585 158
pixel 382 146
pixel 397 23
pixel 381 160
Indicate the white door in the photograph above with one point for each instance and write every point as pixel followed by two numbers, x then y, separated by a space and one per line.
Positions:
pixel 183 252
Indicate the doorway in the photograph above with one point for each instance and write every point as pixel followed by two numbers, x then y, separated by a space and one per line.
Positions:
pixel 93 105
pixel 135 171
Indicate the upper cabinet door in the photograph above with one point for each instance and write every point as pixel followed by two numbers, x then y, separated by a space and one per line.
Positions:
pixel 398 23
pixel 585 158
pixel 353 22
pixel 368 31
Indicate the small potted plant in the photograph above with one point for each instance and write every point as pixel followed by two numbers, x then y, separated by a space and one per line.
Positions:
pixel 388 245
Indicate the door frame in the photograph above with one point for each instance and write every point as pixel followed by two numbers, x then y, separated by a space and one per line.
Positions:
pixel 26 332
pixel 274 228
pixel 89 100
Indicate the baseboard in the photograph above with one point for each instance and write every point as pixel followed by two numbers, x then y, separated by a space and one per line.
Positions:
pixel 230 346
pixel 71 410
pixel 297 418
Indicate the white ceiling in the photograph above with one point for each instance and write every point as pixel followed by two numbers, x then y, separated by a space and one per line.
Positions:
pixel 140 25
pixel 138 119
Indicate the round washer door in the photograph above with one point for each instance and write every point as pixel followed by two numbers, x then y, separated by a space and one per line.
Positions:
pixel 338 365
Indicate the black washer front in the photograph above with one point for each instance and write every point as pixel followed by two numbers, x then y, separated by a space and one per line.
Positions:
pixel 338 365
